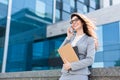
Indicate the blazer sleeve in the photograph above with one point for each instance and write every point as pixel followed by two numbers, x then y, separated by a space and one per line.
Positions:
pixel 89 57
pixel 65 42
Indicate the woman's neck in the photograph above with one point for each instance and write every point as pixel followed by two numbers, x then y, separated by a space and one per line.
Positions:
pixel 79 32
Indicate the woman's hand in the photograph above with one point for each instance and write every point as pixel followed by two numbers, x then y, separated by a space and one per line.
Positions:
pixel 69 32
pixel 67 65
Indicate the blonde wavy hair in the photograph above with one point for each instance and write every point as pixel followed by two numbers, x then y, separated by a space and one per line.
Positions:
pixel 88 26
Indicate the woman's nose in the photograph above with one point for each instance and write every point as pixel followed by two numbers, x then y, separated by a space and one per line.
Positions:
pixel 74 22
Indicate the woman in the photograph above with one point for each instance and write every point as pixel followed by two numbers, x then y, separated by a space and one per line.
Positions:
pixel 86 41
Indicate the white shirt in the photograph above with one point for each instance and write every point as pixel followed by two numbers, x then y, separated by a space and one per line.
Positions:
pixel 76 39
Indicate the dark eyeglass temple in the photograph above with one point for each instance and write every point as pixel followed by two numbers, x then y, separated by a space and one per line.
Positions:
pixel 70 22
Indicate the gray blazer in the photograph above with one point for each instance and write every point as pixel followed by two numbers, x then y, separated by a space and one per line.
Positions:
pixel 86 50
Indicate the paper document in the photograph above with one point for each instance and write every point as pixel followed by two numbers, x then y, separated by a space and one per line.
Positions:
pixel 67 53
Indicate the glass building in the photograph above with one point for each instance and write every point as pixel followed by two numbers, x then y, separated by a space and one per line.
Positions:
pixel 108 54
pixel 30 49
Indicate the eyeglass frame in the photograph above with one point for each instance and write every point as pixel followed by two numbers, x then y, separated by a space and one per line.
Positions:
pixel 71 22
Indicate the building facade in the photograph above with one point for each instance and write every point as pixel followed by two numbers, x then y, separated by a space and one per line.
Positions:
pixel 34 39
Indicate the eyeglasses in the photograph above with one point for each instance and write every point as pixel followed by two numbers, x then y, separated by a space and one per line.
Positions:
pixel 74 20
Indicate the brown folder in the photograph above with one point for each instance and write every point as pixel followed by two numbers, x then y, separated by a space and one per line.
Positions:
pixel 67 53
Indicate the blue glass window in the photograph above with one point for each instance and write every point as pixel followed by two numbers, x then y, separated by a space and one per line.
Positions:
pixel 111 33
pixel 72 3
pixel 111 64
pixel 45 54
pixel 113 55
pixel 65 16
pixel 81 8
pixel 57 43
pixel 92 4
pixel 40 55
pixel 82 1
pixel 18 6
pixel 45 8
pixel 3 20
pixel 4 1
pixel 38 50
pixel 3 9
pixel 91 9
pixel 1 57
pixel 66 7
pixel 19 56
pixel 58 0
pixel 57 15
pixel 99 57
pixel 40 8
pixel 108 53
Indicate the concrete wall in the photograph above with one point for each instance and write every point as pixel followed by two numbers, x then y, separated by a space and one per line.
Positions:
pixel 97 74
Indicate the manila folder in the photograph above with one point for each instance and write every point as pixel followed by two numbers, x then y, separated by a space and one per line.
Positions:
pixel 67 53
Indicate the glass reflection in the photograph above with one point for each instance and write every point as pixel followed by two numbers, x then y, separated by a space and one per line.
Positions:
pixel 3 20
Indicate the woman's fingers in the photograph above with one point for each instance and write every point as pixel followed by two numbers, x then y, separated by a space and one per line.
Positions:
pixel 67 65
pixel 69 32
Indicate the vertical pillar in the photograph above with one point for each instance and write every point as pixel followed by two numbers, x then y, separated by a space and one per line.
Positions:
pixel 54 10
pixel 7 36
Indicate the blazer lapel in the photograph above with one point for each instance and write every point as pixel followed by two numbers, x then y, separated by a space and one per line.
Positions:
pixel 83 37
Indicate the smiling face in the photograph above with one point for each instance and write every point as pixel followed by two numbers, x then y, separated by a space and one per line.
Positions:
pixel 76 23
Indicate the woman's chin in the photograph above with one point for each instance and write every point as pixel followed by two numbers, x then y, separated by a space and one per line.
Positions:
pixel 75 29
